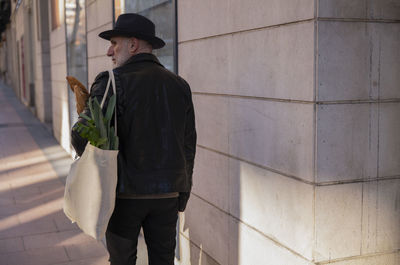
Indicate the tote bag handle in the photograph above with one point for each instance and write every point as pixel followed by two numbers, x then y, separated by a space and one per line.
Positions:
pixel 111 80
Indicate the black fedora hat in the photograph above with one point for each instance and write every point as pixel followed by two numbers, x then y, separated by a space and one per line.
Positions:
pixel 134 25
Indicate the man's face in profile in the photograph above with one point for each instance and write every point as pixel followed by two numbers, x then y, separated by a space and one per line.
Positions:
pixel 119 50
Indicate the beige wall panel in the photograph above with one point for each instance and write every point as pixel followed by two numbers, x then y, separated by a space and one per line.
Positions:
pixel 389 139
pixel 358 60
pixel 381 216
pixel 212 121
pixel 385 9
pixel 277 135
pixel 247 246
pixel 59 54
pixel 369 217
pixel 344 67
pixel 57 36
pixel 59 73
pixel 195 17
pixel 388 215
pixel 211 178
pixel 367 9
pixel 96 45
pixel 273 134
pixel 99 13
pixel 190 254
pixel 207 227
pixel 39 98
pixel 281 64
pixel 96 66
pixel 38 71
pixel 384 259
pixel 389 36
pixel 338 211
pixel 347 142
pixel 278 206
pixel 343 8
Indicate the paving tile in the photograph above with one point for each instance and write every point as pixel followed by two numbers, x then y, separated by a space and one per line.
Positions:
pixel 63 238
pixel 11 245
pixel 63 223
pixel 91 261
pixel 86 250
pixel 44 256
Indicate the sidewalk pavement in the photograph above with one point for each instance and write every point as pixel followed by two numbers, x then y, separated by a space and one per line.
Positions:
pixel 33 167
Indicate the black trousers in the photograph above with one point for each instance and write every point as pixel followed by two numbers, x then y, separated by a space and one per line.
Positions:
pixel 158 218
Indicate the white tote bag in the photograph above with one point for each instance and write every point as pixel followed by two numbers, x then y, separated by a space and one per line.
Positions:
pixel 90 188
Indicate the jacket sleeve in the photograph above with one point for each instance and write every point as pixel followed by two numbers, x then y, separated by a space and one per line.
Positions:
pixel 97 91
pixel 190 152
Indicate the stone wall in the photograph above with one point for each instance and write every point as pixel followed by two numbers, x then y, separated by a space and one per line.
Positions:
pixel 251 69
pixel 297 106
pixel 58 65
pixel 357 214
pixel 99 18
pixel 43 97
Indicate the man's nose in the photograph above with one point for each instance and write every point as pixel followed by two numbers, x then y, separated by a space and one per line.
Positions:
pixel 110 51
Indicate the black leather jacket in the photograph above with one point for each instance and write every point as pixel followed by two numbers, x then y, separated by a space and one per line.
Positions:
pixel 156 128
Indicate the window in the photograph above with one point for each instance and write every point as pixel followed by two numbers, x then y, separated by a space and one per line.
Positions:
pixel 163 14
pixel 75 26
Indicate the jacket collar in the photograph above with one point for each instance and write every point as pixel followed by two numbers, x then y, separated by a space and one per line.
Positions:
pixel 142 57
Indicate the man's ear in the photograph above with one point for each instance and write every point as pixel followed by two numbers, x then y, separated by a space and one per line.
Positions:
pixel 133 45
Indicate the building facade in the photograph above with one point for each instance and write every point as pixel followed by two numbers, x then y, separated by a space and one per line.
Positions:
pixel 297 108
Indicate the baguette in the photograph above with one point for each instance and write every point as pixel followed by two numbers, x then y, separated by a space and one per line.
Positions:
pixel 80 91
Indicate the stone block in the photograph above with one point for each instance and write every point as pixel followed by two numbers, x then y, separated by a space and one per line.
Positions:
pixel 248 246
pixel 385 9
pixel 189 253
pixel 235 15
pixel 207 227
pixel 338 212
pixel 344 66
pixel 281 66
pixel 388 215
pixel 97 65
pixel 211 178
pixel 382 259
pixel 99 13
pixel 369 217
pixel 59 72
pixel 381 216
pixel 277 135
pixel 278 206
pixel 347 142
pixel 389 140
pixel 343 9
pixel 58 54
pixel 389 59
pixel 96 45
pixel 91 16
pixel 38 74
pixel 364 9
pixel 212 121
pixel 57 36
pixel 358 60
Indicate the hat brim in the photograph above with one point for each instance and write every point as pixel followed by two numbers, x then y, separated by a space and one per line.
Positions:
pixel 155 42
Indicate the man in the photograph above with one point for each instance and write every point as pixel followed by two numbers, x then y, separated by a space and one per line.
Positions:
pixel 157 143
